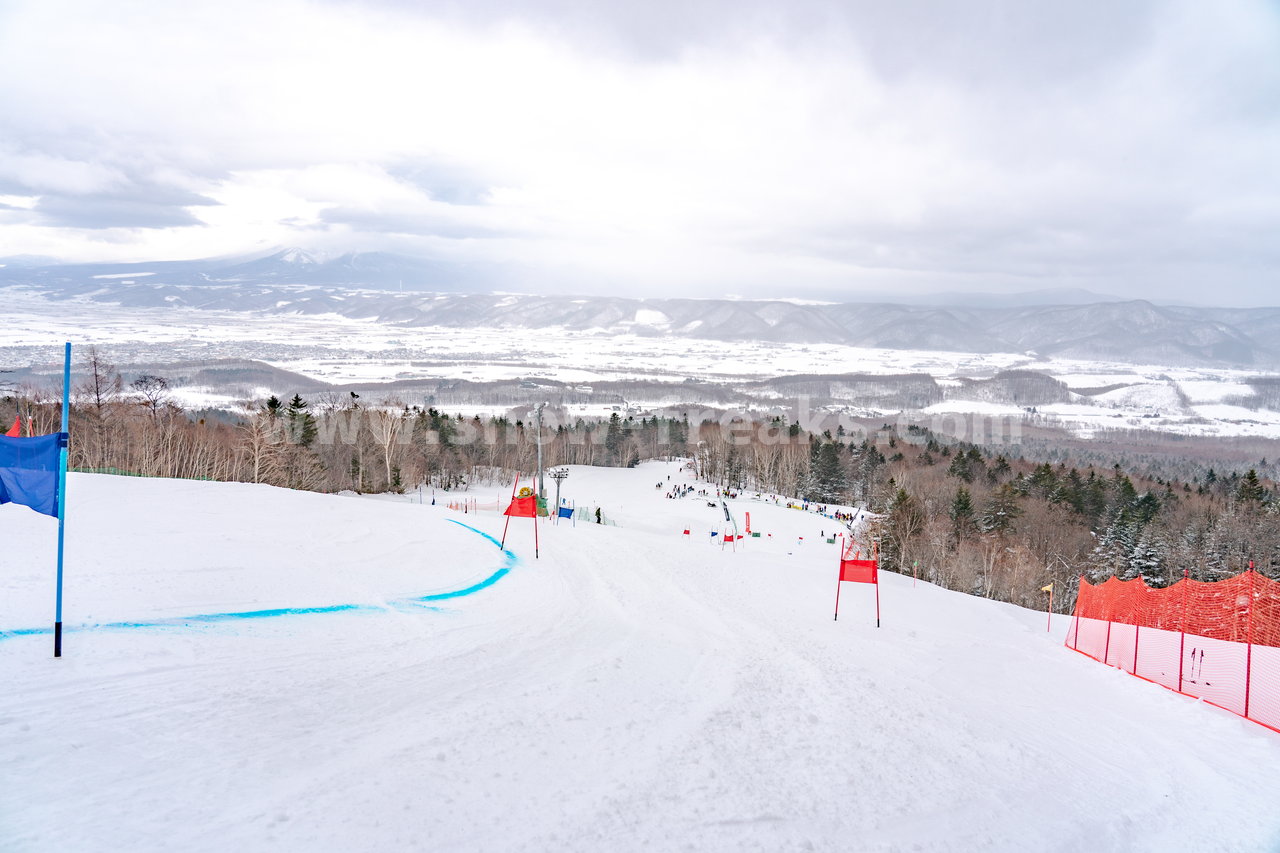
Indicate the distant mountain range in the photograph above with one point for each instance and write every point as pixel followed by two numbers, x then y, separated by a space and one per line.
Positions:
pixel 368 286
pixel 377 270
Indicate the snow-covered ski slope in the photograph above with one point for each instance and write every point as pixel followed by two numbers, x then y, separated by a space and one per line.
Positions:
pixel 630 690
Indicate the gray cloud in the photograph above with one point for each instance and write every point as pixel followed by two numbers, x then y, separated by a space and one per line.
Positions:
pixel 97 212
pixel 1010 43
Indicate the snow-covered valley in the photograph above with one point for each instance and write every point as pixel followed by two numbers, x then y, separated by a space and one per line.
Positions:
pixel 643 371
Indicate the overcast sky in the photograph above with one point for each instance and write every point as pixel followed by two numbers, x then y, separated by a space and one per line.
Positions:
pixel 676 147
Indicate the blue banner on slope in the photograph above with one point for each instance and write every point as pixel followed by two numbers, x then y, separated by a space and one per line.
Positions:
pixel 29 471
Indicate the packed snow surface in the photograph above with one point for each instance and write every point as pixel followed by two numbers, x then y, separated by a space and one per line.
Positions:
pixel 633 688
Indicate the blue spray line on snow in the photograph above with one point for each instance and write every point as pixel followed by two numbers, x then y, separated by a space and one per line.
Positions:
pixel 199 619
pixel 510 560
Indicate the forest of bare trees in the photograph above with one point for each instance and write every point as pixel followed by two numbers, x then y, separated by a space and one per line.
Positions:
pixel 978 519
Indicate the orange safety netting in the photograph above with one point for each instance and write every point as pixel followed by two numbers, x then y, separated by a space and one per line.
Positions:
pixel 1217 641
pixel 1219 610
pixel 472 505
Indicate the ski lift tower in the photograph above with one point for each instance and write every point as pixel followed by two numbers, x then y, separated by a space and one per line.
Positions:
pixel 542 483
pixel 559 475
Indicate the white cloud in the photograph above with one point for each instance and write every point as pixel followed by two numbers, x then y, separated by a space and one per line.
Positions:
pixel 808 158
pixel 45 173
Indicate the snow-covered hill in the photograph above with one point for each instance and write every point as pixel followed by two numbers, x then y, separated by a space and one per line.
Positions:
pixel 631 689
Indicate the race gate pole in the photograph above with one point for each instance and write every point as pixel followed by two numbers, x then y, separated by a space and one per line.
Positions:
pixel 876 569
pixel 877 599
pixel 507 523
pixel 62 496
pixel 839 577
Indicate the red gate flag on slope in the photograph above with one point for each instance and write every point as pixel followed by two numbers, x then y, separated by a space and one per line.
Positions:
pixel 854 569
pixel 859 571
pixel 525 505
pixel 15 431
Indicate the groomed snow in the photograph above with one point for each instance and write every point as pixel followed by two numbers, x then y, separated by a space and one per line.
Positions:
pixel 632 689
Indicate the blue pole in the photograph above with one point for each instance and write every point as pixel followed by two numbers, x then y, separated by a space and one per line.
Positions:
pixel 62 495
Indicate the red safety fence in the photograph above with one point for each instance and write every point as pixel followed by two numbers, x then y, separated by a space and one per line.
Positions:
pixel 1216 641
pixel 473 505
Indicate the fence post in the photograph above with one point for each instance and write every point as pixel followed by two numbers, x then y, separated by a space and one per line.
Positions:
pixel 1182 626
pixel 1106 649
pixel 1076 611
pixel 1137 632
pixel 1248 657
pixel 1137 625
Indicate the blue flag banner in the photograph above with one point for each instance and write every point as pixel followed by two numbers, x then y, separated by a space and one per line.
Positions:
pixel 566 512
pixel 29 471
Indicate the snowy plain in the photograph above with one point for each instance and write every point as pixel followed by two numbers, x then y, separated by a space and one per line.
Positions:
pixel 630 689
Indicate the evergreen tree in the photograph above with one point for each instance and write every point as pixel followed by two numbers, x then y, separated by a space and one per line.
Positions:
pixel 961 515
pixel 733 470
pixel 302 425
pixel 357 473
pixel 1123 492
pixel 677 433
pixel 1043 481
pixel 1250 490
pixel 1093 498
pixel 613 439
pixel 1144 509
pixel 827 481
pixel 1146 561
pixel 906 520
pixel 1001 511
pixel 1071 491
pixel 960 468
